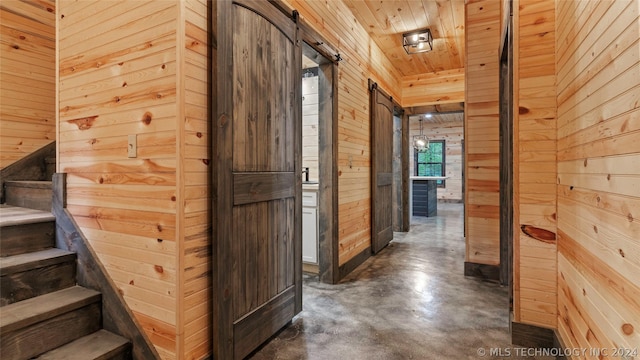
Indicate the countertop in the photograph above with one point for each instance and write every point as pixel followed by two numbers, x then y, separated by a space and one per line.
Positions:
pixel 313 187
pixel 428 177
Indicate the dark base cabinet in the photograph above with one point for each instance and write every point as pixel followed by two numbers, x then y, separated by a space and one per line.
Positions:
pixel 425 198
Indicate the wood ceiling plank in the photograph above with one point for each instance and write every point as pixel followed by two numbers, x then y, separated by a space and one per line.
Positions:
pixel 385 21
pixel 448 27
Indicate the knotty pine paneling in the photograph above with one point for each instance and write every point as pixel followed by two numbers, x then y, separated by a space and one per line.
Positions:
pixel 362 59
pixel 482 32
pixel 598 87
pixel 118 67
pixel 196 308
pixel 142 68
pixel 452 133
pixel 27 74
pixel 535 162
pixel 441 87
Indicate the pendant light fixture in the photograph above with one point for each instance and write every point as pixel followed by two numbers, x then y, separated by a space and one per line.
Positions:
pixel 420 142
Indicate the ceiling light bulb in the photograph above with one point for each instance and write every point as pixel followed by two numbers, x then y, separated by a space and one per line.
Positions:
pixel 415 38
pixel 420 143
pixel 420 46
pixel 428 115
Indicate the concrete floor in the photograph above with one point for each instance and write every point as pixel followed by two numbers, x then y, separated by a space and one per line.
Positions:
pixel 410 301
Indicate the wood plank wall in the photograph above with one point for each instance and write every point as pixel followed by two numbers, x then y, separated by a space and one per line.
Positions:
pixel 28 77
pixel 482 211
pixel 598 96
pixel 452 133
pixel 195 310
pixel 535 163
pixel 363 59
pixel 141 68
pixel 440 87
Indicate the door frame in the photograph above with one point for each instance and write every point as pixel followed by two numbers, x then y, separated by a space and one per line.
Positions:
pixel 401 177
pixel 328 236
pixel 506 158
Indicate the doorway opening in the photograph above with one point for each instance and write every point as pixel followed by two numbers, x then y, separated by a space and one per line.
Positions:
pixel 319 152
pixel 442 160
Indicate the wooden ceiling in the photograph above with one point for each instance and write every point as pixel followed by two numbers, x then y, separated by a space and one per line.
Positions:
pixel 387 20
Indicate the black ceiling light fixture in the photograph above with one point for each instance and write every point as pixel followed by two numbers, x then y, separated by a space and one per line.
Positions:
pixel 417 41
pixel 421 142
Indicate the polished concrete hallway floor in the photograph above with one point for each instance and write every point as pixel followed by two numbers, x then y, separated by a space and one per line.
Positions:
pixel 411 301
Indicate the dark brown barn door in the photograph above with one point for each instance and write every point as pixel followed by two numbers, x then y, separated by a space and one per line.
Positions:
pixel 381 169
pixel 257 248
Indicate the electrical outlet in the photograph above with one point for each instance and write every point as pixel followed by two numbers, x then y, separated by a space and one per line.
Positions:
pixel 132 146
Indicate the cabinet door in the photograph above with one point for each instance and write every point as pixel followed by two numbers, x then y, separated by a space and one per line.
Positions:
pixel 309 235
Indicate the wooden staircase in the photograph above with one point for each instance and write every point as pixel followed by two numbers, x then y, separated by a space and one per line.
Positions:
pixel 43 313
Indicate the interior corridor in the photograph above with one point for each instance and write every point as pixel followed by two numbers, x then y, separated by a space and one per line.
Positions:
pixel 409 302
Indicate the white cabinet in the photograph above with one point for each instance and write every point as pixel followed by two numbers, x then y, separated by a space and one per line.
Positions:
pixel 310 235
pixel 310 226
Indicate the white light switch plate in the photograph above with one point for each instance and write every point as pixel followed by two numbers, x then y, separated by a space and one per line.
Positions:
pixel 132 147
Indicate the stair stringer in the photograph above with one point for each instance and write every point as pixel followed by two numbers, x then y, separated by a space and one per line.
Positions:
pixel 117 317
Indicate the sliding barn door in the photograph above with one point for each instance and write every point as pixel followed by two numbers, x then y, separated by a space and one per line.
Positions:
pixel 257 248
pixel 381 169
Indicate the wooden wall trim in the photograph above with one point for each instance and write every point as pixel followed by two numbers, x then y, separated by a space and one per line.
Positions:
pixel 116 315
pixel 506 157
pixel 482 271
pixel 532 336
pixel 221 183
pixel 401 222
pixel 406 219
pixel 536 337
pixel 354 262
pixel 515 274
pixel 328 191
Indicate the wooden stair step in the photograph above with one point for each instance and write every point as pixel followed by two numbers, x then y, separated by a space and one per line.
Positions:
pixel 31 311
pixel 32 184
pixel 16 215
pixel 29 194
pixel 29 275
pixel 34 326
pixel 25 230
pixel 100 345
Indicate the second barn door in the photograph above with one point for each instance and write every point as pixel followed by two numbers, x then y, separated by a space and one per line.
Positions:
pixel 381 168
pixel 257 249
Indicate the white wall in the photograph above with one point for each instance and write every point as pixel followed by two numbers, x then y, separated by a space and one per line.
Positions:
pixel 310 126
